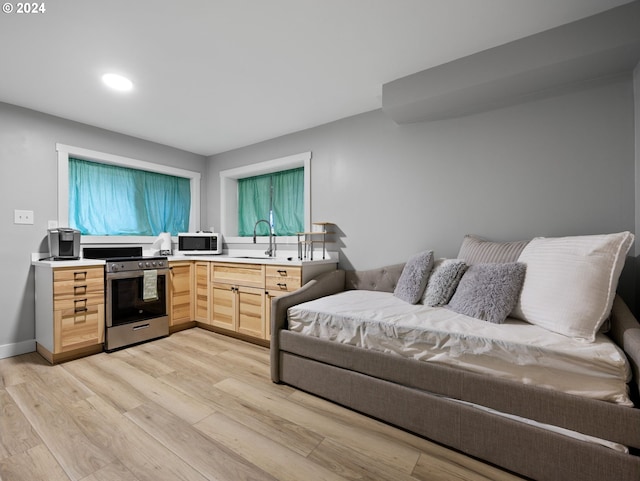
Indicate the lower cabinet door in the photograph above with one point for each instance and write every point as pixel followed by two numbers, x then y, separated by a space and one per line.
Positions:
pixel 269 295
pixel 201 301
pixel 180 302
pixel 223 306
pixel 250 311
pixel 76 329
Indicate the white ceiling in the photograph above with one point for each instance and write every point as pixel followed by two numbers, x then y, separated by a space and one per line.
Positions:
pixel 214 75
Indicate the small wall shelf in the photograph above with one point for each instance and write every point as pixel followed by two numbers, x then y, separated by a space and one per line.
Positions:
pixel 306 240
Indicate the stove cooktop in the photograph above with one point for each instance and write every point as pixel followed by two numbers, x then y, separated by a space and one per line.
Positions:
pixel 119 259
pixel 112 252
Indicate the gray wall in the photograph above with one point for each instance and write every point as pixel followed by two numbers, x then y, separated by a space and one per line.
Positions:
pixel 563 165
pixel 28 180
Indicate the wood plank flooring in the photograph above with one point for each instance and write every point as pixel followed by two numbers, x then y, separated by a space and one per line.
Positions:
pixel 197 406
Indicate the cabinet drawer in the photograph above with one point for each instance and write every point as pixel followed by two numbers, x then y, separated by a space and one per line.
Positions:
pixel 69 289
pixel 71 283
pixel 76 275
pixel 78 303
pixel 283 278
pixel 283 271
pixel 78 329
pixel 250 275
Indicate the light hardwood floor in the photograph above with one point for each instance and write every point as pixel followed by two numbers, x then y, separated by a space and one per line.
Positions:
pixel 196 406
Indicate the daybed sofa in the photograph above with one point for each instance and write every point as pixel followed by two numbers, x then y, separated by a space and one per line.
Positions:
pixel 425 397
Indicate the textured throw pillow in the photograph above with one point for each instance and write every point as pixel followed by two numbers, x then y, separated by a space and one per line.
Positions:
pixel 571 282
pixel 443 281
pixel 414 277
pixel 489 291
pixel 476 250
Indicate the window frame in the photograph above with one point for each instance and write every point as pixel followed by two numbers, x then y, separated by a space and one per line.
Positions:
pixel 229 194
pixel 66 151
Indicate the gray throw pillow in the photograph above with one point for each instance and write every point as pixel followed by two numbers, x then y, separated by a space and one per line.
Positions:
pixel 414 277
pixel 443 281
pixel 489 291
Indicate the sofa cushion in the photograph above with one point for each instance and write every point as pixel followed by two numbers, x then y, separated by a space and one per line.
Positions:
pixel 442 282
pixel 571 282
pixel 489 291
pixel 476 250
pixel 414 277
pixel 380 279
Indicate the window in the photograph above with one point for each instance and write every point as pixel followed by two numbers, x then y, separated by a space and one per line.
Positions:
pixel 230 194
pixel 277 198
pixel 66 152
pixel 113 200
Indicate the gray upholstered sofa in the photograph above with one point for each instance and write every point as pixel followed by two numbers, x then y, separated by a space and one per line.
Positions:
pixel 419 396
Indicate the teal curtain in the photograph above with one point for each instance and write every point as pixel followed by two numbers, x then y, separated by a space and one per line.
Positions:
pixel 288 201
pixel 111 200
pixel 277 198
pixel 254 194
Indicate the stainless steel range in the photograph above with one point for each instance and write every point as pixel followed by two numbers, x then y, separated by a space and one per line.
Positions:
pixel 136 296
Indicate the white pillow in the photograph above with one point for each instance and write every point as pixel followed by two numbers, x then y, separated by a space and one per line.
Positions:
pixel 570 282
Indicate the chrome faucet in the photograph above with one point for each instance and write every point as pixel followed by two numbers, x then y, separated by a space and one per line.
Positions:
pixel 270 251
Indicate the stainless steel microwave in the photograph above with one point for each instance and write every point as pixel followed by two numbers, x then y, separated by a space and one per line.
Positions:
pixel 199 243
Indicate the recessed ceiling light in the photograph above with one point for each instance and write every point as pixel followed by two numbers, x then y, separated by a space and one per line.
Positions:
pixel 117 82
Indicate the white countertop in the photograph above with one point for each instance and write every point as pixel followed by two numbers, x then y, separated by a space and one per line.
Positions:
pixel 239 258
pixel 40 260
pixel 257 259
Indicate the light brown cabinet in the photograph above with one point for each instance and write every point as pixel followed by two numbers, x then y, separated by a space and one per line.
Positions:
pixel 181 303
pixel 283 278
pixel 234 297
pixel 201 293
pixel 237 298
pixel 69 311
pixel 278 281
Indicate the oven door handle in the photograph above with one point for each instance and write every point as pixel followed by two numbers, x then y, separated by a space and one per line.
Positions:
pixel 137 273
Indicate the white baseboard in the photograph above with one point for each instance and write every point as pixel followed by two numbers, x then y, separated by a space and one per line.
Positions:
pixel 15 349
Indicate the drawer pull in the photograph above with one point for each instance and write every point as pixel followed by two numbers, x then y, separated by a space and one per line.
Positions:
pixel 282 272
pixel 282 285
pixel 83 286
pixel 80 276
pixel 143 326
pixel 80 308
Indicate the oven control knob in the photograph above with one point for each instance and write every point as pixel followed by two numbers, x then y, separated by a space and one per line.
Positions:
pixel 147 264
pixel 140 264
pixel 114 267
pixel 153 263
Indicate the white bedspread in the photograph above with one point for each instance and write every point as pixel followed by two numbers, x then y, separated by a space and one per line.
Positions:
pixel 515 350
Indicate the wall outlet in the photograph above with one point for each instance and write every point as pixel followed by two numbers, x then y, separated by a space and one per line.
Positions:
pixel 23 216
